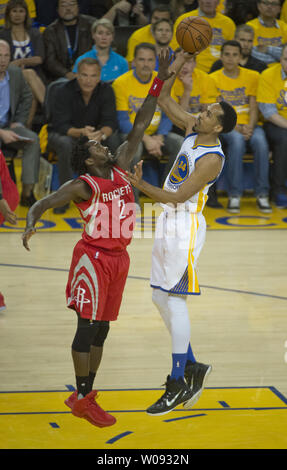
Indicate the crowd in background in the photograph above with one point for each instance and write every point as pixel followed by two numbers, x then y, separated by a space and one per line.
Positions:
pixel 73 67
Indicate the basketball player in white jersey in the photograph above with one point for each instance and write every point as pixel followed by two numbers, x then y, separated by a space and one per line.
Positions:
pixel 180 234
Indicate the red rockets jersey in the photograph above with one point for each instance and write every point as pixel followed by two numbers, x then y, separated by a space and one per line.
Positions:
pixel 109 214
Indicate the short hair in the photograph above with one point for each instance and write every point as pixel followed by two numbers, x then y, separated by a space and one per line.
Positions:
pixel 80 153
pixel 88 61
pixel 60 0
pixel 232 43
pixel 5 43
pixel 13 4
pixel 161 7
pixel 261 1
pixel 228 119
pixel 145 45
pixel 246 28
pixel 163 20
pixel 103 22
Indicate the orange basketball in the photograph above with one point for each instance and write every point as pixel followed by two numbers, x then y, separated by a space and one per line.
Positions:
pixel 193 34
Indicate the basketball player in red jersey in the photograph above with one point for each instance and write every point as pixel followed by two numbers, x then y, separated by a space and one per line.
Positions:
pixel 100 261
pixel 9 200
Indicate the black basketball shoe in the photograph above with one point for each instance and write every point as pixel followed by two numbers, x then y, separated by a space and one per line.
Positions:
pixel 176 392
pixel 195 375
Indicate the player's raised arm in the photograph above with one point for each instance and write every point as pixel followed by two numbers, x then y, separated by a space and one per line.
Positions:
pixel 126 151
pixel 171 108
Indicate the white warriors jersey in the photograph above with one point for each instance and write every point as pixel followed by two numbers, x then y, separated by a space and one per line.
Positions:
pixel 180 230
pixel 184 165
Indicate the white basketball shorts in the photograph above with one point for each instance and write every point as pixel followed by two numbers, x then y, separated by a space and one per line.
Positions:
pixel 179 238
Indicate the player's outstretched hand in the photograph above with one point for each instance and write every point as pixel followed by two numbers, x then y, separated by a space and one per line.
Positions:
pixel 164 61
pixel 136 177
pixel 26 237
pixel 8 214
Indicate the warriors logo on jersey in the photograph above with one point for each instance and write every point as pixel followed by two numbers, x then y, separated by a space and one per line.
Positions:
pixel 180 171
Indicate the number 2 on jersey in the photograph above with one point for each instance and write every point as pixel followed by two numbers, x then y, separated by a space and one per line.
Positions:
pixel 122 207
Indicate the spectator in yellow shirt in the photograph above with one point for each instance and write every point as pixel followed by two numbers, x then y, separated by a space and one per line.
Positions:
pixel 272 100
pixel 238 87
pixel 223 29
pixel 270 33
pixel 144 34
pixel 162 32
pixel 244 34
pixel 193 89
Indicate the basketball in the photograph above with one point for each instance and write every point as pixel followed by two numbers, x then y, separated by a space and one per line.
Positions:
pixel 193 34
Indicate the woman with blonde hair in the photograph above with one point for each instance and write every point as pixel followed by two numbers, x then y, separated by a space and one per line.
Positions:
pixel 112 64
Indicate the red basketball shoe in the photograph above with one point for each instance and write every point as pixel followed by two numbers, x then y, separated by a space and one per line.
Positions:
pixel 71 399
pixel 88 409
pixel 2 303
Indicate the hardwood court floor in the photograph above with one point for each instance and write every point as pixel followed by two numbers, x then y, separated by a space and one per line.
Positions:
pixel 239 325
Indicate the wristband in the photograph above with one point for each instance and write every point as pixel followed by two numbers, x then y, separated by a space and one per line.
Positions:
pixel 156 87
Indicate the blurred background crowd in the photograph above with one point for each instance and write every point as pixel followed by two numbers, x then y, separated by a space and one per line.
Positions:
pixel 72 67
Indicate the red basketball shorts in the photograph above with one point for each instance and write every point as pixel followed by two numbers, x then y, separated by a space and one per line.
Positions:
pixel 96 282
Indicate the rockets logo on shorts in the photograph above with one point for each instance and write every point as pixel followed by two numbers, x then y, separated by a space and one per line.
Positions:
pixel 80 298
pixel 84 286
pixel 96 282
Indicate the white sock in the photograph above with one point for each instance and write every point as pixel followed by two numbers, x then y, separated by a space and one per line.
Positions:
pixel 160 299
pixel 179 322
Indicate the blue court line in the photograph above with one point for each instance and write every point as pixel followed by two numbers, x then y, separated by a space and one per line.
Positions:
pixel 140 278
pixel 224 404
pixel 184 417
pixel 72 388
pixel 263 387
pixel 33 413
pixel 279 394
pixel 118 437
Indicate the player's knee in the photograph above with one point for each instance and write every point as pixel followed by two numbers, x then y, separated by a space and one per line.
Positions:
pixel 159 298
pixel 84 335
pixel 154 296
pixel 101 334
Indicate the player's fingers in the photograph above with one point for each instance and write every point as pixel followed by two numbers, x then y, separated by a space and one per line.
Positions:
pixel 25 243
pixel 12 219
pixel 171 73
pixel 26 237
